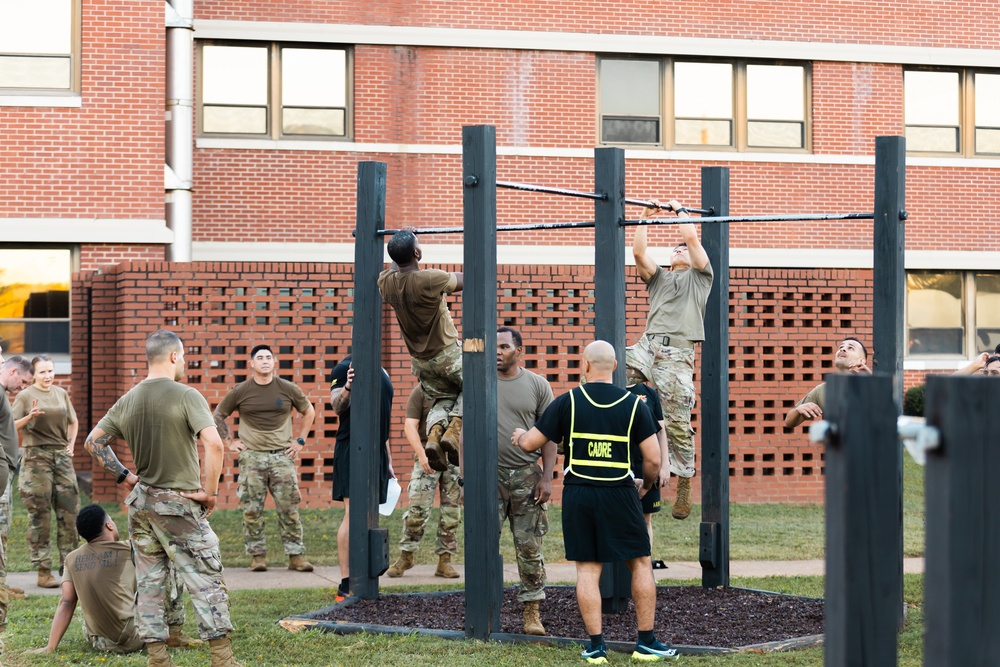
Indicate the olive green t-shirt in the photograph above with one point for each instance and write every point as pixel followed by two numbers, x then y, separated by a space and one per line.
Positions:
pixel 817 396
pixel 417 297
pixel 677 302
pixel 265 412
pixel 51 428
pixel 104 578
pixel 520 403
pixel 160 419
pixel 417 407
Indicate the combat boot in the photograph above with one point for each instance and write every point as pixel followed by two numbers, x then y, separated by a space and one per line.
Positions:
pixel 178 639
pixel 15 593
pixel 449 441
pixel 682 504
pixel 222 653
pixel 402 564
pixel 532 619
pixel 259 563
pixel 435 457
pixel 45 578
pixel 299 564
pixel 444 568
pixel 158 656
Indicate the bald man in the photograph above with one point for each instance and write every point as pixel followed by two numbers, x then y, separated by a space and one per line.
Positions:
pixel 598 424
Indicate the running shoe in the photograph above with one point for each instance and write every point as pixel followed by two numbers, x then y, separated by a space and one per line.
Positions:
pixel 595 655
pixel 655 651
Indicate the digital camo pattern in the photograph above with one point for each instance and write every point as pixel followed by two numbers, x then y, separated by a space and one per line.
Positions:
pixel 441 379
pixel 528 523
pixel 261 472
pixel 47 482
pixel 421 493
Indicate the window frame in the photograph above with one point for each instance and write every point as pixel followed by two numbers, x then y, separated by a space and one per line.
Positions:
pixel 275 107
pixel 966 111
pixel 667 118
pixel 970 325
pixel 75 57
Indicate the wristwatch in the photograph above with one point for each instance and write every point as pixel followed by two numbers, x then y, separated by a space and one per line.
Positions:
pixel 461 481
pixel 301 441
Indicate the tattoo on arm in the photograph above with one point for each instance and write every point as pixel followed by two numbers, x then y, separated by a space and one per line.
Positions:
pixel 340 400
pixel 222 425
pixel 100 449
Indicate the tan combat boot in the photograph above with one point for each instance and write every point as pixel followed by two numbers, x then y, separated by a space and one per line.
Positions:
pixel 15 593
pixel 158 656
pixel 45 578
pixel 444 568
pixel 259 564
pixel 299 564
pixel 449 441
pixel 682 504
pixel 435 455
pixel 178 639
pixel 402 564
pixel 532 619
pixel 222 653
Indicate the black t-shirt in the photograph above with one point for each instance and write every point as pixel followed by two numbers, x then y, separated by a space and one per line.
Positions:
pixel 555 422
pixel 338 378
pixel 649 398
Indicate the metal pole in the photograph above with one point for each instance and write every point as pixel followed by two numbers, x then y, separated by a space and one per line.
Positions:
pixel 527 187
pixel 666 207
pixel 180 126
pixel 719 219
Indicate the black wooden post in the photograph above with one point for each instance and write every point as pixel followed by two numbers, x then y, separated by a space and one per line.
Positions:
pixel 609 314
pixel 483 565
pixel 714 423
pixel 962 580
pixel 863 522
pixel 369 544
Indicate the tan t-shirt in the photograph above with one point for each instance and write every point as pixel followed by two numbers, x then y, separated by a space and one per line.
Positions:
pixel 417 407
pixel 160 419
pixel 817 396
pixel 265 412
pixel 520 403
pixel 677 303
pixel 104 578
pixel 51 428
pixel 417 297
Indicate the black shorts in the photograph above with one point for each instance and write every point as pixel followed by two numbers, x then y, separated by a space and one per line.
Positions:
pixel 342 473
pixel 603 524
pixel 651 501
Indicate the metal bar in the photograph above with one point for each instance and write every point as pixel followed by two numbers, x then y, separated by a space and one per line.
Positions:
pixel 666 207
pixel 499 228
pixel 527 187
pixel 805 217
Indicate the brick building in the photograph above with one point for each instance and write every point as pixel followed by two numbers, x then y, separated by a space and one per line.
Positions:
pixel 270 106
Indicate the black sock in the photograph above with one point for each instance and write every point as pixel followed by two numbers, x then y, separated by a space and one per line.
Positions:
pixel 646 637
pixel 345 585
pixel 597 640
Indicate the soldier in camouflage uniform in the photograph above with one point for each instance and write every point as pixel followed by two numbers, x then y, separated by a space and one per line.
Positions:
pixel 523 485
pixel 417 297
pixel 160 418
pixel 267 456
pixel 423 482
pixel 664 356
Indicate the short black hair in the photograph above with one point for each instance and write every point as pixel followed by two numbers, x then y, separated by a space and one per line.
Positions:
pixel 996 351
pixel 258 348
pixel 993 359
pixel 514 333
pixel 90 521
pixel 402 247
pixel 864 349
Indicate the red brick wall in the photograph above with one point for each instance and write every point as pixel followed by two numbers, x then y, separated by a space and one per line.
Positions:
pixel 304 310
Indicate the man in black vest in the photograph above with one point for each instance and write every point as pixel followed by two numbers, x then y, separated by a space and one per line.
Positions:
pixel 602 513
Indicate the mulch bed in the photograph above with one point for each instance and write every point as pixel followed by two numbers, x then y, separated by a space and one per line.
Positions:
pixel 692 616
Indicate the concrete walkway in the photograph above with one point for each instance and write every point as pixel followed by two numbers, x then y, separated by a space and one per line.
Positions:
pixel 241 578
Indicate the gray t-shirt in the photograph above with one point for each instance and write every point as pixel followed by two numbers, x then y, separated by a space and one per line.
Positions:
pixel 677 303
pixel 520 402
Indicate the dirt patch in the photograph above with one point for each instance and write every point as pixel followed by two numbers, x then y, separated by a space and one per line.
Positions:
pixel 691 616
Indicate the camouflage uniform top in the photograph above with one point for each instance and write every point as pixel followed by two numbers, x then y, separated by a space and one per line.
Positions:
pixel 265 412
pixel 817 395
pixel 159 419
pixel 8 438
pixel 417 298
pixel 521 401
pixel 51 428
pixel 677 302
pixel 104 578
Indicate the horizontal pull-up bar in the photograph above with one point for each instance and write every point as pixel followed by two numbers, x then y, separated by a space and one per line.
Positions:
pixel 527 187
pixel 666 207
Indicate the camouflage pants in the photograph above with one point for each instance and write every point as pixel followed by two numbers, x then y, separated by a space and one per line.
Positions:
pixel 261 472
pixel 128 642
pixel 441 380
pixel 421 493
pixel 47 482
pixel 168 531
pixel 528 523
pixel 4 596
pixel 6 511
pixel 671 371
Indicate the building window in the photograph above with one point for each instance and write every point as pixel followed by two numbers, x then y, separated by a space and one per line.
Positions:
pixel 34 300
pixel 704 104
pixel 952 313
pixel 39 46
pixel 952 111
pixel 274 90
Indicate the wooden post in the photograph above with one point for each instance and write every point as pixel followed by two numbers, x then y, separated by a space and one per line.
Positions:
pixel 609 314
pixel 863 523
pixel 714 424
pixel 369 544
pixel 962 580
pixel 483 565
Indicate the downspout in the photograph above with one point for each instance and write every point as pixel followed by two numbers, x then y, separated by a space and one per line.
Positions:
pixel 179 171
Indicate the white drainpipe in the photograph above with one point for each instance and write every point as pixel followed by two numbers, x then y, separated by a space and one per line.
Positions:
pixel 179 126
